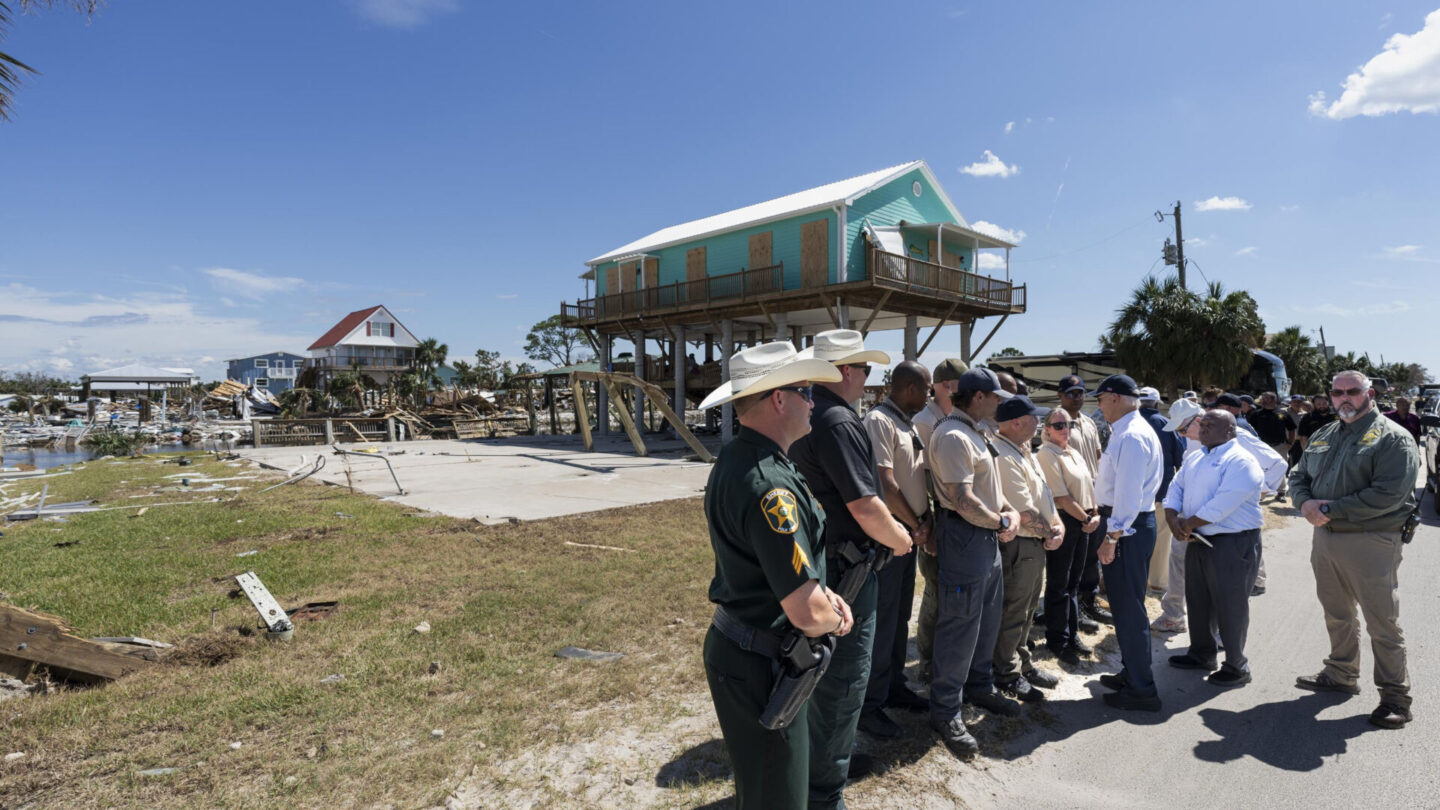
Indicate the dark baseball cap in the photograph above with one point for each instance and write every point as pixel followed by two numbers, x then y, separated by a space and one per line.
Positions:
pixel 1018 406
pixel 1121 384
pixel 949 370
pixel 1229 400
pixel 1069 383
pixel 982 379
pixel 1247 399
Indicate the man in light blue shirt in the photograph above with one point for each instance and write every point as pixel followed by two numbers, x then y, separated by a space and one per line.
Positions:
pixel 1214 505
pixel 1130 475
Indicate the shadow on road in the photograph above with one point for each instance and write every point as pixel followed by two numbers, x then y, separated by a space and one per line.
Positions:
pixel 1286 734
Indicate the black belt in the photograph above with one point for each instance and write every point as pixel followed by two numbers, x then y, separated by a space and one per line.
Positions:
pixel 750 639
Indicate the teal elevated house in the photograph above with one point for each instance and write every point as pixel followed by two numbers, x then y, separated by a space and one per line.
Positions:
pixel 884 250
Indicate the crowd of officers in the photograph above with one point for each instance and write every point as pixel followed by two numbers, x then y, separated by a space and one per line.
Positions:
pixel 942 476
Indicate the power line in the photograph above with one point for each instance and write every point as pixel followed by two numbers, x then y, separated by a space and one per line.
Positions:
pixel 1201 269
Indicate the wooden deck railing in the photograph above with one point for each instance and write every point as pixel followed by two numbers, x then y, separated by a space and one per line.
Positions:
pixel 888 270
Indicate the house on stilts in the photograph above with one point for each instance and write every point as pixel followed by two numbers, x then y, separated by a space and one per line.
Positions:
pixel 886 250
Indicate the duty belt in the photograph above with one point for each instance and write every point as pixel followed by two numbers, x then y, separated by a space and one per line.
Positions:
pixel 750 639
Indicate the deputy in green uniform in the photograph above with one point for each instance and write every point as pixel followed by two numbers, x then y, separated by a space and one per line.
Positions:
pixel 768 535
pixel 1355 483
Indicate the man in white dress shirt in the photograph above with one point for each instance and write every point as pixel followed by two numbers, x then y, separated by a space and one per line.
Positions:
pixel 1130 474
pixel 1214 505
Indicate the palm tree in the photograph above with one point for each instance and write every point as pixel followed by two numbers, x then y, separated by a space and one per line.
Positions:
pixel 349 387
pixel 1303 361
pixel 12 68
pixel 429 356
pixel 1169 336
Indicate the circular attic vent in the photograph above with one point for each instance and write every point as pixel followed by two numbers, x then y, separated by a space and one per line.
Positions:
pixel 915 187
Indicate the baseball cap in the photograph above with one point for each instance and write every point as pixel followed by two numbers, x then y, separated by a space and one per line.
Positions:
pixel 1121 384
pixel 1228 400
pixel 1189 395
pixel 1018 406
pixel 949 370
pixel 1070 382
pixel 982 379
pixel 1247 399
pixel 1297 397
pixel 1149 394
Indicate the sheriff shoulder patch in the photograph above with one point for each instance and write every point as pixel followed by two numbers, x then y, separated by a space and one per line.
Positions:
pixel 780 512
pixel 1371 436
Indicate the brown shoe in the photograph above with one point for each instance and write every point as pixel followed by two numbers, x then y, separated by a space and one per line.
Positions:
pixel 1324 683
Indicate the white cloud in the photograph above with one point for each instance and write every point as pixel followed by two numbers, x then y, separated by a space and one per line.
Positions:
pixel 991 166
pixel 1288 208
pixel 1222 204
pixel 1403 76
pixel 1403 250
pixel 251 285
pixel 1003 234
pixel 1391 308
pixel 508 296
pixel 1247 251
pixel 1196 241
pixel 1009 127
pixel 99 331
pixel 989 261
pixel 403 13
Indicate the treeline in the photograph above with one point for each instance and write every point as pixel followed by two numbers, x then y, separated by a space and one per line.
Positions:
pixel 1175 338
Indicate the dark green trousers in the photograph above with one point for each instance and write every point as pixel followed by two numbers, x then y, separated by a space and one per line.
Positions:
pixel 835 706
pixel 771 767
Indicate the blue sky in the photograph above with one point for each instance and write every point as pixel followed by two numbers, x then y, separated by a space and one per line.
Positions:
pixel 187 182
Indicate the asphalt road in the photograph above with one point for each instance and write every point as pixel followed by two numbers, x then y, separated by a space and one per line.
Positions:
pixel 1267 744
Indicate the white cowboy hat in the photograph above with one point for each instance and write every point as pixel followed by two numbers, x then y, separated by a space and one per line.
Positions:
pixel 1182 411
pixel 843 347
pixel 767 367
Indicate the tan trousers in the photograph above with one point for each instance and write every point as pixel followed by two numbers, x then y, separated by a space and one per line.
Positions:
pixel 1159 578
pixel 1361 569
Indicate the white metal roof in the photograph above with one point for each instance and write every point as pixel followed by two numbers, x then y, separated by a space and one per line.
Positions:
pixel 985 240
pixel 842 192
pixel 138 373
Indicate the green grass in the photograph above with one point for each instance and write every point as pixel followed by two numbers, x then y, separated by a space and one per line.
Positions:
pixel 500 601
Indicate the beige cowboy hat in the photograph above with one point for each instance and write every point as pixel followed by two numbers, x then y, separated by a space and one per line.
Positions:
pixel 843 347
pixel 767 367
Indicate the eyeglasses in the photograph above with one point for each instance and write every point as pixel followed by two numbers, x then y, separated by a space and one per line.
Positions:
pixel 863 368
pixel 1078 392
pixel 803 390
pixel 1061 425
pixel 1347 392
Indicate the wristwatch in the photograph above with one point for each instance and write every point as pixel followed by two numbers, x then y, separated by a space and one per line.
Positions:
pixel 1111 540
pixel 1004 523
pixel 1324 508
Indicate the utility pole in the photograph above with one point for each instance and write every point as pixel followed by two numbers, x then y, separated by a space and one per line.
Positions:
pixel 1174 254
pixel 1179 247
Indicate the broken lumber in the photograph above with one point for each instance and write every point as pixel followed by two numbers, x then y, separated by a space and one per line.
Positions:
pixel 43 640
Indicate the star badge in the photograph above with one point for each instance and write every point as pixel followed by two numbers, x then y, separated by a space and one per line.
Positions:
pixel 780 511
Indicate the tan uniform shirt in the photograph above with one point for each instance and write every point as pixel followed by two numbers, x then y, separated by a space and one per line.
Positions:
pixel 925 421
pixel 961 453
pixel 1085 438
pixel 897 447
pixel 1023 484
pixel 1067 474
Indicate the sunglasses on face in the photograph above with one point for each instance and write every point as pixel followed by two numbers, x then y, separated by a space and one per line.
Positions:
pixel 1347 392
pixel 803 390
pixel 1061 425
pixel 863 369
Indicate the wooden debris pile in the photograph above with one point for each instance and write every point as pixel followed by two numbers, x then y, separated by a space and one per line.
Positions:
pixel 30 640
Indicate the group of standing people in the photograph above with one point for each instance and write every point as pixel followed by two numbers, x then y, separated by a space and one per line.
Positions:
pixel 820 520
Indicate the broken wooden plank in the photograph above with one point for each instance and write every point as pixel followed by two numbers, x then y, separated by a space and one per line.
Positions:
pixel 45 641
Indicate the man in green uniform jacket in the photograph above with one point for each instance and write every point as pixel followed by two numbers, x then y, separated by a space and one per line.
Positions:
pixel 768 535
pixel 1355 483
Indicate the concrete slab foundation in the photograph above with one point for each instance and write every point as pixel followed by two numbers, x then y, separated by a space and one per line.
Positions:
pixel 517 478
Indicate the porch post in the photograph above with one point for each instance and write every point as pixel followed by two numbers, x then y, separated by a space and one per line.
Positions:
pixel 677 354
pixel 966 327
pixel 782 325
pixel 639 394
pixel 912 331
pixel 602 397
pixel 727 344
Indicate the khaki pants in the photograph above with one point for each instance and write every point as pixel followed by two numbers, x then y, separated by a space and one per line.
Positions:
pixel 1159 578
pixel 1361 569
pixel 1024 564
